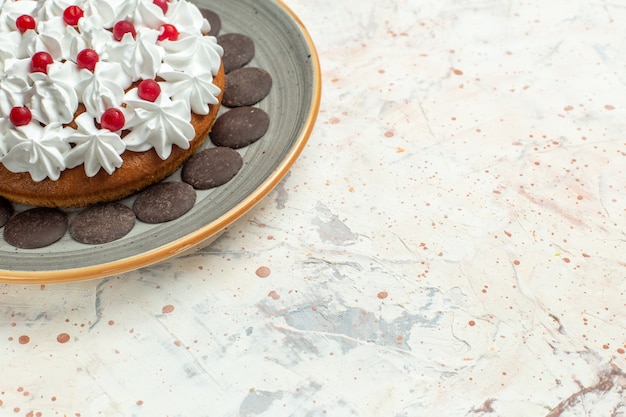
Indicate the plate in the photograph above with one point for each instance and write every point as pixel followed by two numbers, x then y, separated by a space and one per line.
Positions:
pixel 284 49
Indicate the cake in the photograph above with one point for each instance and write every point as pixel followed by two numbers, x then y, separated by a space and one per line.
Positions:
pixel 101 99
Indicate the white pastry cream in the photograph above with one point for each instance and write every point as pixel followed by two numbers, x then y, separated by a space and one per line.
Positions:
pixel 45 146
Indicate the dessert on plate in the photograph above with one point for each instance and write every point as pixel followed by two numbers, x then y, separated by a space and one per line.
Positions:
pixel 101 99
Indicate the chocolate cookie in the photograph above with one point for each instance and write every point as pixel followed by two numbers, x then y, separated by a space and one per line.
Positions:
pixel 164 202
pixel 6 211
pixel 238 50
pixel 240 127
pixel 103 223
pixel 212 167
pixel 35 228
pixel 214 21
pixel 246 86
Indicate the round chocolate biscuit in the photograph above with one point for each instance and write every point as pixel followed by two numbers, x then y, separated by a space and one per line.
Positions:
pixel 240 127
pixel 164 202
pixel 35 228
pixel 238 50
pixel 214 21
pixel 6 211
pixel 102 223
pixel 212 167
pixel 246 86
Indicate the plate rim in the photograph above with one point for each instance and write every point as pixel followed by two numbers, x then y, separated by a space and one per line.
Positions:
pixel 206 232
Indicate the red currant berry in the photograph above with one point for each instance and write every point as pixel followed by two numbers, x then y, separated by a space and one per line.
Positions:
pixel 20 116
pixel 169 32
pixel 72 15
pixel 87 59
pixel 162 4
pixel 149 90
pixel 40 61
pixel 121 28
pixel 25 22
pixel 112 119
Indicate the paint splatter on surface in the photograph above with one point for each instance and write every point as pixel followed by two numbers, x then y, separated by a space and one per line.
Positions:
pixel 448 243
pixel 263 272
pixel 63 338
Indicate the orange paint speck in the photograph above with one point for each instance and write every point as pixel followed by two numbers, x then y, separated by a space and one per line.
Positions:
pixel 139 402
pixel 111 322
pixel 167 309
pixel 23 339
pixel 566 260
pixel 382 295
pixel 63 338
pixel 516 262
pixel 389 134
pixel 472 323
pixel 457 71
pixel 273 295
pixel 609 107
pixel 568 108
pixel 399 149
pixel 263 272
pixel 334 120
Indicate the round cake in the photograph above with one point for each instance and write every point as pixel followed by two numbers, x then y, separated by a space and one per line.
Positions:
pixel 100 99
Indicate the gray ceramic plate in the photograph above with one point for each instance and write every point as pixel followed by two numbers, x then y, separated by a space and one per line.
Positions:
pixel 285 50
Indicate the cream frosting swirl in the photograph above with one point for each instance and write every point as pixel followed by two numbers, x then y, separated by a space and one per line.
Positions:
pixel 159 124
pixel 98 148
pixel 141 57
pixel 48 90
pixel 196 89
pixel 102 89
pixel 37 150
pixel 46 146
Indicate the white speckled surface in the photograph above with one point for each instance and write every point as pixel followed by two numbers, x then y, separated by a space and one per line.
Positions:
pixel 450 242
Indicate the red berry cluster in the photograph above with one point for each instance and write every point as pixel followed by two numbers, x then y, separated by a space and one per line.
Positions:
pixel 71 16
pixel 112 119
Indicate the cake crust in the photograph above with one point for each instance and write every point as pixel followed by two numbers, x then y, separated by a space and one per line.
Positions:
pixel 139 170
